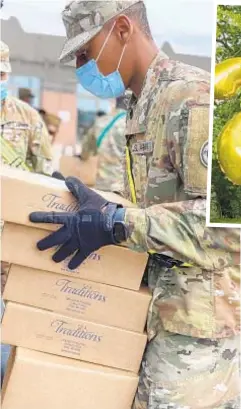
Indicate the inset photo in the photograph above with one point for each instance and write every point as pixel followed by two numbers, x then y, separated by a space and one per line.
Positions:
pixel 224 193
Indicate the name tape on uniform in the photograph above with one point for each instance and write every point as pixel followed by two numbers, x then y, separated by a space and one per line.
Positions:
pixel 140 148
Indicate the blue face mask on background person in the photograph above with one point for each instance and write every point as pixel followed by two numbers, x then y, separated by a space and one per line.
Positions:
pixel 102 86
pixel 4 90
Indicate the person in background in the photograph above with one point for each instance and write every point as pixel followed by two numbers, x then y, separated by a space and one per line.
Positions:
pixel 26 95
pixel 53 123
pixel 24 137
pixel 24 144
pixel 88 145
pixel 42 113
pixel 107 140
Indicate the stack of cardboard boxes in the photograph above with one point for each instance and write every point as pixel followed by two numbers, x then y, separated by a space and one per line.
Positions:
pixel 79 335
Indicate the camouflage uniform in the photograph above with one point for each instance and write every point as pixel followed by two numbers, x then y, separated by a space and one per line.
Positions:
pixel 110 153
pixel 23 129
pixel 88 146
pixel 191 360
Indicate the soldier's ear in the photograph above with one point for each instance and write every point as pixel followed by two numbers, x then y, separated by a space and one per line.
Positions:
pixel 123 29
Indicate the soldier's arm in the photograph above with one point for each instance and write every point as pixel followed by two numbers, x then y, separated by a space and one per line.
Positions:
pixel 178 229
pixel 39 156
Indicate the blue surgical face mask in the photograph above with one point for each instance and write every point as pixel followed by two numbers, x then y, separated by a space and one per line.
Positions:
pixel 102 86
pixel 4 89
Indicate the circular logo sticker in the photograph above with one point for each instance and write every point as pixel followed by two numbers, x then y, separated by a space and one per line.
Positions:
pixel 204 154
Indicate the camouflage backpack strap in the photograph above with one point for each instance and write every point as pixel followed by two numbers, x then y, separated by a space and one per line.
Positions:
pixel 11 157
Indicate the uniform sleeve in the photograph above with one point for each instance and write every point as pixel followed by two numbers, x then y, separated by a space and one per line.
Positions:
pixel 39 156
pixel 89 147
pixel 179 229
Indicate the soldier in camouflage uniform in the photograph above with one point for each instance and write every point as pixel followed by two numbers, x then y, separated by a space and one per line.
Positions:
pixel 22 128
pixel 88 145
pixel 110 151
pixel 26 95
pixel 53 123
pixel 191 360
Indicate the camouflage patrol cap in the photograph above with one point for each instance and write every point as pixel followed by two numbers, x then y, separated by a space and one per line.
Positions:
pixel 84 19
pixel 25 93
pixel 4 58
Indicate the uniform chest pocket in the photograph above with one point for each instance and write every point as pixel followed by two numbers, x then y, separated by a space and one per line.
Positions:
pixel 18 134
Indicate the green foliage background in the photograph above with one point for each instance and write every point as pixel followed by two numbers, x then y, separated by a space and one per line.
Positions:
pixel 225 197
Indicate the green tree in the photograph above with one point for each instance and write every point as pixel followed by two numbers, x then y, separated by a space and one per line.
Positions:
pixel 228 32
pixel 226 198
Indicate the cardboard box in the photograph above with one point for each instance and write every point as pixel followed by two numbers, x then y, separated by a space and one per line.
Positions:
pixel 24 192
pixel 112 265
pixel 58 334
pixel 82 299
pixel 85 170
pixel 41 381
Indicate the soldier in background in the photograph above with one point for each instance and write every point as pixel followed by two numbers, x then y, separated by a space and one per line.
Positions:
pixel 107 140
pixel 89 146
pixel 52 123
pixel 24 137
pixel 26 95
pixel 42 113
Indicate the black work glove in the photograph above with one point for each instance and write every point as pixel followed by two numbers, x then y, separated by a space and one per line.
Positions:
pixel 83 232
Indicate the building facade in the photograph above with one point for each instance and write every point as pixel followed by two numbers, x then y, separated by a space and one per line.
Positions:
pixel 35 65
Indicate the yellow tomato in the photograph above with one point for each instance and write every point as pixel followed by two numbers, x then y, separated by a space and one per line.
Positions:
pixel 229 149
pixel 227 78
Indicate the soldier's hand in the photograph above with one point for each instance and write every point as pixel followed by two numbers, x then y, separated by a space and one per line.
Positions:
pixel 83 232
